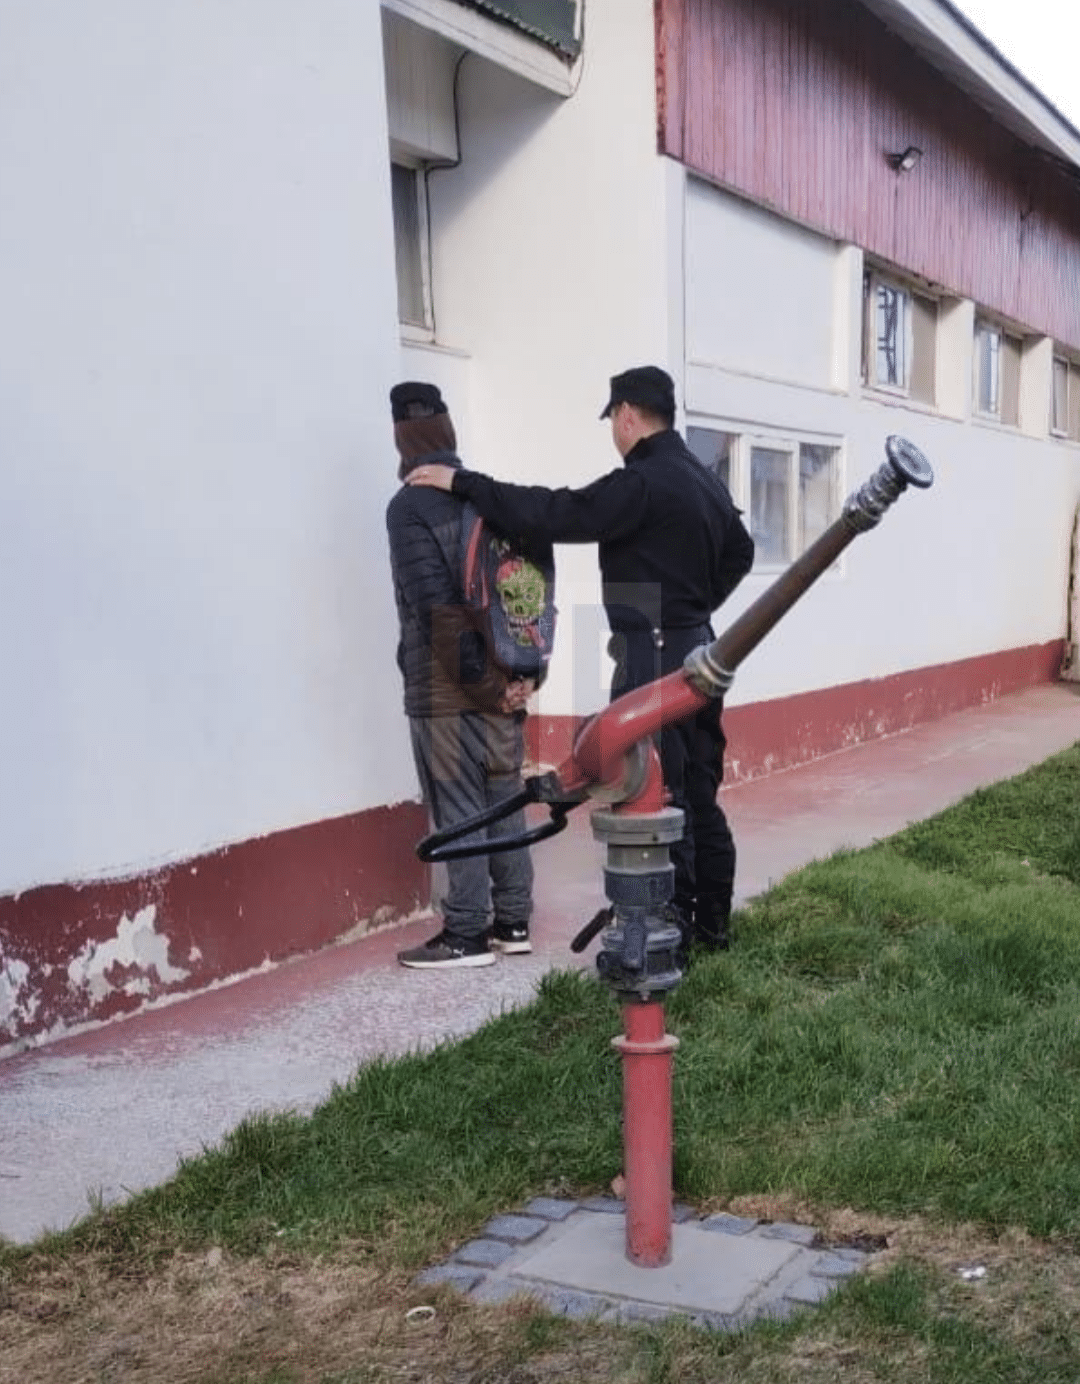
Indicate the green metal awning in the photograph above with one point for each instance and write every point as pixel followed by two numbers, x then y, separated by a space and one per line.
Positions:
pixel 553 22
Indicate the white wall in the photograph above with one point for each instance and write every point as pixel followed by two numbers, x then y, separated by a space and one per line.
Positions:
pixel 759 290
pixel 550 253
pixel 197 336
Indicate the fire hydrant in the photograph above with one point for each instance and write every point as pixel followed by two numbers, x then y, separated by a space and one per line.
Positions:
pixel 614 760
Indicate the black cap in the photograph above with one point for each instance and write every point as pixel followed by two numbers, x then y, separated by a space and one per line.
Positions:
pixel 647 387
pixel 414 400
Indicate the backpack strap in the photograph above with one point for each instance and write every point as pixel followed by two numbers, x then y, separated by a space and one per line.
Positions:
pixel 474 569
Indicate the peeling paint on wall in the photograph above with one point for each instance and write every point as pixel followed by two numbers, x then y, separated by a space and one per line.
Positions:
pixel 137 945
pixel 80 954
pixel 13 978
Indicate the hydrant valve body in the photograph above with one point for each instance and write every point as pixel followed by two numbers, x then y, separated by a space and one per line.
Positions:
pixel 639 954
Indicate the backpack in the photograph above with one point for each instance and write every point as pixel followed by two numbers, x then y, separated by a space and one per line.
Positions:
pixel 510 583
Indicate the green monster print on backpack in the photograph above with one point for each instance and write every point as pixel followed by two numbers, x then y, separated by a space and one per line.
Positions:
pixel 511 583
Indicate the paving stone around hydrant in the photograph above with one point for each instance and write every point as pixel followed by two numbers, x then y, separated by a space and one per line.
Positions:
pixel 487 1253
pixel 725 1224
pixel 783 1230
pixel 518 1229
pixel 456 1275
pixel 551 1208
pixel 837 1265
pixel 609 1205
pixel 811 1290
pixel 569 1256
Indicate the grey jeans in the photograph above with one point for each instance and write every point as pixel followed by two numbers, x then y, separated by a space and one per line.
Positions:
pixel 466 763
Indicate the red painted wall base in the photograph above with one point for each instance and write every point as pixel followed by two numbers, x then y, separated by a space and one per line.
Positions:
pixel 77 953
pixel 766 736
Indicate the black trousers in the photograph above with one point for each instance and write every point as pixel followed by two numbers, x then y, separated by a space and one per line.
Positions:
pixel 692 760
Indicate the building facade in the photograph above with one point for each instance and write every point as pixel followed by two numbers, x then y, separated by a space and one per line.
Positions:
pixel 225 232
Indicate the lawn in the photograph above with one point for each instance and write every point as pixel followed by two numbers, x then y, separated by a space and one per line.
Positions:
pixel 890 1050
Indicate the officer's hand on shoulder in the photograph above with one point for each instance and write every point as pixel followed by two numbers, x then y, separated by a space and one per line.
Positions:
pixel 439 477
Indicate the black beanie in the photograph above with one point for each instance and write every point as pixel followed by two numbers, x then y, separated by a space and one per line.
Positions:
pixel 414 400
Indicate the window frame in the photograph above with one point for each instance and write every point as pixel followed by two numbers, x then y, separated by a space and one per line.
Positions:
pixel 1010 347
pixel 916 299
pixel 782 446
pixel 745 437
pixel 1071 431
pixel 415 331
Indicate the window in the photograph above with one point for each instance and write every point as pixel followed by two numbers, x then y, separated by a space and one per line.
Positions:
pixel 997 373
pixel 890 327
pixel 818 484
pixel 899 338
pixel 789 487
pixel 770 504
pixel 714 450
pixel 411 246
pixel 1065 401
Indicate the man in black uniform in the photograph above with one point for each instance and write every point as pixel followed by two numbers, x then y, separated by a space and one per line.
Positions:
pixel 672 549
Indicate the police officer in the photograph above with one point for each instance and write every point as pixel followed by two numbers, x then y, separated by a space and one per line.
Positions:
pixel 672 548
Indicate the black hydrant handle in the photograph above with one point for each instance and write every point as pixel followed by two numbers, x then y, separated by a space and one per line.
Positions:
pixel 439 847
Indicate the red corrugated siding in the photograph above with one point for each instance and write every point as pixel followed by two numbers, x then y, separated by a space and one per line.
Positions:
pixel 796 103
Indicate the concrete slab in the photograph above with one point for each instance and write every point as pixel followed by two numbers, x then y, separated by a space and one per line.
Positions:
pixel 707 1273
pixel 722 1275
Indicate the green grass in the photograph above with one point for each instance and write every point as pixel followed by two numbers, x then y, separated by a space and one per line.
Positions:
pixel 896 1030
pixel 893 1037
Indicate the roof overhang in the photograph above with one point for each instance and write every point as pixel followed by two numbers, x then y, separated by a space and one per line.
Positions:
pixel 953 45
pixel 552 22
pixel 496 38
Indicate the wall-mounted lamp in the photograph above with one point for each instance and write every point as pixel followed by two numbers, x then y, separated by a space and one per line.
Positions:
pixel 905 162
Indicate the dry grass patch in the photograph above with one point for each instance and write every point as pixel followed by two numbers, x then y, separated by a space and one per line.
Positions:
pixel 283 1318
pixel 201 1319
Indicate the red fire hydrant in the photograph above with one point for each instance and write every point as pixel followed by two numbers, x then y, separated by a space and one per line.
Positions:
pixel 613 760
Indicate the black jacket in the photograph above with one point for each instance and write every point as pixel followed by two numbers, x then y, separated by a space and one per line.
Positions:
pixel 672 545
pixel 442 653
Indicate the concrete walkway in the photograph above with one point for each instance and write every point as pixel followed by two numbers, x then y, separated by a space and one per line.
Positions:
pixel 108 1112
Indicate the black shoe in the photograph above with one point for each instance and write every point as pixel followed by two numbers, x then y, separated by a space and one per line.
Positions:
pixel 703 946
pixel 711 926
pixel 444 951
pixel 512 939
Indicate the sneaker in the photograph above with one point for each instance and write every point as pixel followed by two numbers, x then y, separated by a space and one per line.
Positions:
pixel 444 951
pixel 710 931
pixel 512 939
